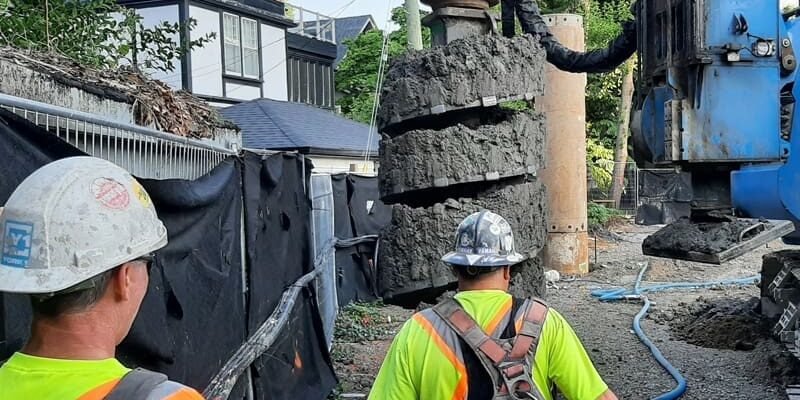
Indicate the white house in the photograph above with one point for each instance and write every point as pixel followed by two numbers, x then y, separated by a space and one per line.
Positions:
pixel 258 51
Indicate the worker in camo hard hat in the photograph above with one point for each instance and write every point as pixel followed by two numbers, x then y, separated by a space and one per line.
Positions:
pixel 77 237
pixel 485 344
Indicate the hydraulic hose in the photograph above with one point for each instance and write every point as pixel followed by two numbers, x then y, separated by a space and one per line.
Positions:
pixel 638 292
pixel 563 58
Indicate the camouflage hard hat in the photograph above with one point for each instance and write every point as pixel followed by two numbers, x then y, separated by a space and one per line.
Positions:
pixel 484 239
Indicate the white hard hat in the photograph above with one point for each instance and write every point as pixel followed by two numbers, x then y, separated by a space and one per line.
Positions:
pixel 72 220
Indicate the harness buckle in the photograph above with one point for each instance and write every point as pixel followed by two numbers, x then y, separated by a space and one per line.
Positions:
pixel 518 380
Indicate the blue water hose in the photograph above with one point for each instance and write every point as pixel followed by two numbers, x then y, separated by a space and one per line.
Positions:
pixel 638 292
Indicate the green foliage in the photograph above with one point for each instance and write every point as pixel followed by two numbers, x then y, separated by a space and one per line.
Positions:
pixel 357 75
pixel 516 105
pixel 94 33
pixel 600 162
pixel 600 216
pixel 361 322
pixel 603 24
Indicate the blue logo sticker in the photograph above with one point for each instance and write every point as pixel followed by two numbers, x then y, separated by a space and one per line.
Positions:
pixel 17 239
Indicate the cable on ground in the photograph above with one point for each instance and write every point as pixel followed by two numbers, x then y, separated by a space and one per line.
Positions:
pixel 638 293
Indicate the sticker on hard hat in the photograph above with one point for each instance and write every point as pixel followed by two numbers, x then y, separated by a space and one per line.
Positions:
pixel 141 194
pixel 17 241
pixel 111 193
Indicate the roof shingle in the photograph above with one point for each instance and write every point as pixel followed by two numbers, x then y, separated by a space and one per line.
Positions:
pixel 279 125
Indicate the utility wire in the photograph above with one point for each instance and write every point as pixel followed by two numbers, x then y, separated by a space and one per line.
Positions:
pixel 379 84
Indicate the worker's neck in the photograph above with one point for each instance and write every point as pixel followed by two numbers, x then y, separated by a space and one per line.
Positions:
pixel 84 336
pixel 467 286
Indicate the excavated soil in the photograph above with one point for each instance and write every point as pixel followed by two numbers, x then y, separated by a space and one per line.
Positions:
pixel 683 237
pixel 460 75
pixel 417 238
pixel 505 145
pixel 714 337
pixel 719 324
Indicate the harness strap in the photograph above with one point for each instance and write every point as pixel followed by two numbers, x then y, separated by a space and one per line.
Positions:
pixel 136 385
pixel 528 336
pixel 515 376
pixel 466 327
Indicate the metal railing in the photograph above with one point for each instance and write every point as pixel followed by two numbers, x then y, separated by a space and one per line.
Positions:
pixel 311 23
pixel 144 152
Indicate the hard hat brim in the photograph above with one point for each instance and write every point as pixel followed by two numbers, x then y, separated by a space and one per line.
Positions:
pixel 482 260
pixel 55 279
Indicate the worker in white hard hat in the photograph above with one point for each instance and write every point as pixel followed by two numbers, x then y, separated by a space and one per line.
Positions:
pixel 77 237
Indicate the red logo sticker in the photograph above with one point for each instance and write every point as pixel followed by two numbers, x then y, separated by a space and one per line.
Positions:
pixel 110 193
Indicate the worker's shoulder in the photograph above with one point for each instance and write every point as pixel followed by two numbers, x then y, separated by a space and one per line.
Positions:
pixel 170 390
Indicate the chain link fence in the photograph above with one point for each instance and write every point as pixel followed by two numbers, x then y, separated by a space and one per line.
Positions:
pixel 600 192
pixel 641 186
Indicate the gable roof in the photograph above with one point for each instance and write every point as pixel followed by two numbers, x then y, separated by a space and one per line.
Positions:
pixel 280 125
pixel 350 28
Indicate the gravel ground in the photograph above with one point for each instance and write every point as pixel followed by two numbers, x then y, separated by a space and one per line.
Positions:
pixel 714 337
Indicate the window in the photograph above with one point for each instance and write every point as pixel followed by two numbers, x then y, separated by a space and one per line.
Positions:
pixel 233 48
pixel 250 48
pixel 241 46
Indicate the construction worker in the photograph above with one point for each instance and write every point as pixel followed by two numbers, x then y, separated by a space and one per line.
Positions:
pixel 485 344
pixel 77 237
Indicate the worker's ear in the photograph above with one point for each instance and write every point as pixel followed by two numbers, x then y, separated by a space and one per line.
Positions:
pixel 507 273
pixel 122 281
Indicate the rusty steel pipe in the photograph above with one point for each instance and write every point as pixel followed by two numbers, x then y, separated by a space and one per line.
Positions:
pixel 567 245
pixel 479 4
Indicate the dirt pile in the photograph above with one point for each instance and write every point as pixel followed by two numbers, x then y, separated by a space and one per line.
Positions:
pixel 462 154
pixel 720 324
pixel 683 237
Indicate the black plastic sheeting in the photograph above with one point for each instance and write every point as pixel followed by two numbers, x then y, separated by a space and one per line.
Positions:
pixel 358 212
pixel 664 196
pixel 277 222
pixel 196 284
pixel 197 312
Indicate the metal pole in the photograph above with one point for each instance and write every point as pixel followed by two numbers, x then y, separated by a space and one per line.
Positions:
pixel 567 247
pixel 414 25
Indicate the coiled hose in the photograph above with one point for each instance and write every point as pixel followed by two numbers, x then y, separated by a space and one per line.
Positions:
pixel 638 293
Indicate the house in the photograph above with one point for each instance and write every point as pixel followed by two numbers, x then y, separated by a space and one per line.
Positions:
pixel 335 144
pixel 345 29
pixel 350 28
pixel 258 51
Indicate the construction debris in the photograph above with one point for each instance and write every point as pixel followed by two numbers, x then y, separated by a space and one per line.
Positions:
pixel 154 103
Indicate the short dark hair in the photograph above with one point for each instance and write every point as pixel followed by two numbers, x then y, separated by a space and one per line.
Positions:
pixel 474 273
pixel 70 301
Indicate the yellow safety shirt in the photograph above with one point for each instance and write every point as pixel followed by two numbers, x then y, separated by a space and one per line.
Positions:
pixel 26 377
pixel 422 365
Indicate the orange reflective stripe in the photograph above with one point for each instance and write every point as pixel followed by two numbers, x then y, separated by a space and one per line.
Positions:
pixel 499 317
pixel 461 387
pixel 100 392
pixel 184 394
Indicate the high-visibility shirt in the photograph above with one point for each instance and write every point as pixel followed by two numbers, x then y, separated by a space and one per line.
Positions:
pixel 422 363
pixel 25 377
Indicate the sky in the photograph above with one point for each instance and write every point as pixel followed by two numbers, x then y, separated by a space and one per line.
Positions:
pixel 377 8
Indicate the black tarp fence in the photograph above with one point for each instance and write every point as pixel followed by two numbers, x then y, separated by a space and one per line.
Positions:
pixel 206 297
pixel 358 212
pixel 664 196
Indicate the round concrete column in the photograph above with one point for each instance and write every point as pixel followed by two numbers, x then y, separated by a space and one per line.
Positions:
pixel 564 104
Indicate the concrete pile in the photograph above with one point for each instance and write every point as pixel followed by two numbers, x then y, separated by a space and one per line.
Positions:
pixel 449 150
